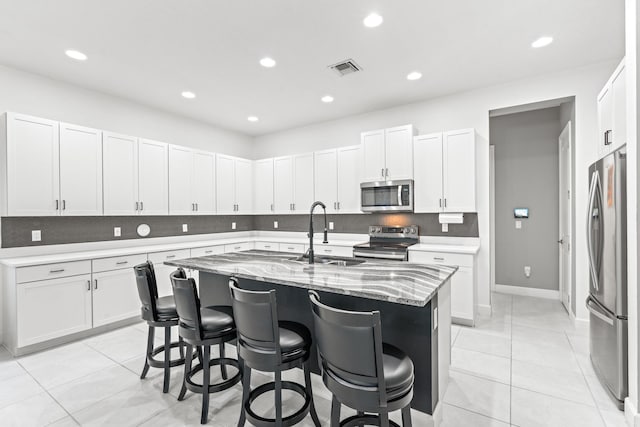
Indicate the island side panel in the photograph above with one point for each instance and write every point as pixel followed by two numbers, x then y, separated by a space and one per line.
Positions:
pixel 404 326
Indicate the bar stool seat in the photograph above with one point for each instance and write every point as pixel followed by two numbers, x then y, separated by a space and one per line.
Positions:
pixel 216 320
pixel 398 371
pixel 166 308
pixel 295 339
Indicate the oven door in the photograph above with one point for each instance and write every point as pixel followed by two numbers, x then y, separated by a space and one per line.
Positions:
pixel 384 196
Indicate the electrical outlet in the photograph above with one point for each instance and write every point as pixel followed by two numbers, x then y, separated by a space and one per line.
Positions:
pixel 518 225
pixel 36 235
pixel 527 271
pixel 185 228
pixel 117 232
pixel 275 224
pixel 330 225
pixel 445 227
pixel 233 225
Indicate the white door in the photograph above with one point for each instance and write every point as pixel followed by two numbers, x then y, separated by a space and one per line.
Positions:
pixel 244 186
pixel 326 178
pixel 283 184
pixel 564 146
pixel 263 186
pixel 619 108
pixel 80 170
pixel 303 196
pixel 53 308
pixel 349 178
pixel 181 185
pixel 153 177
pixel 459 171
pixel 399 152
pixel 204 182
pixel 427 170
pixel 605 120
pixel 115 296
pixel 120 174
pixel 225 184
pixel 373 155
pixel 33 173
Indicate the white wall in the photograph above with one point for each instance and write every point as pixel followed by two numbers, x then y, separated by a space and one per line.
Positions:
pixel 22 92
pixel 471 109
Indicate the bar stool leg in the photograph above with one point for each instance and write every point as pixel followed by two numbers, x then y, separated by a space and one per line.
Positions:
pixel 187 371
pixel 278 393
pixel 307 383
pixel 406 416
pixel 360 414
pixel 167 359
pixel 384 419
pixel 335 412
pixel 246 389
pixel 223 367
pixel 181 346
pixel 205 384
pixel 150 339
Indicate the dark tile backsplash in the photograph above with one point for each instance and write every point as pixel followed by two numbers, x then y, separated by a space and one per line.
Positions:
pixel 16 231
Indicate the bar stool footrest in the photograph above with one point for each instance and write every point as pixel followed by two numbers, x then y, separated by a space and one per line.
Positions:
pixel 287 421
pixel 364 420
pixel 154 363
pixel 214 388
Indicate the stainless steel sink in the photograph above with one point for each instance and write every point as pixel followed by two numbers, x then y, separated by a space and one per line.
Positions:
pixel 329 260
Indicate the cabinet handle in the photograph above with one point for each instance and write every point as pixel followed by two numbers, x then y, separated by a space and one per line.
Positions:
pixel 197 207
pixel 137 206
pixel 208 252
pixel 57 204
pixel 60 270
pixel 290 248
pixel 440 202
pixel 193 207
pixel 88 285
pixel 445 202
pixel 294 206
pixel 95 285
pixel 338 205
pixel 437 258
pixel 64 204
pixel 141 206
pixel 386 172
pixel 607 137
pixel 170 256
pixel 238 247
pixel 122 262
pixel 267 246
pixel 335 206
pixel 382 172
pixel 328 251
pixel 271 207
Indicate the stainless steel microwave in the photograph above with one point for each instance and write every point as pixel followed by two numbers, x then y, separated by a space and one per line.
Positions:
pixel 386 196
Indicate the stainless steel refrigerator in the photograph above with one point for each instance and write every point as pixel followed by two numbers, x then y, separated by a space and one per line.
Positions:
pixel 607 248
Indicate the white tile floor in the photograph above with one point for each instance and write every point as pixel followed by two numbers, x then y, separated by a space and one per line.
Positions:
pixel 526 365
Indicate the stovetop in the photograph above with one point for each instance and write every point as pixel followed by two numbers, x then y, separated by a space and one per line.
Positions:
pixel 390 238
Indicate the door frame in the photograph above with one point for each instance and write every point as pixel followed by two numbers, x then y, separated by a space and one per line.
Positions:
pixel 564 208
pixel 492 216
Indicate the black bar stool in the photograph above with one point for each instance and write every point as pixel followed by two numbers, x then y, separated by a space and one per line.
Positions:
pixel 159 313
pixel 361 372
pixel 268 345
pixel 202 327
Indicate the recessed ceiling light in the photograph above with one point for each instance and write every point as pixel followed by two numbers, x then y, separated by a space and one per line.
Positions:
pixel 327 99
pixel 252 118
pixel 373 20
pixel 188 95
pixel 268 62
pixel 542 42
pixel 75 54
pixel 414 75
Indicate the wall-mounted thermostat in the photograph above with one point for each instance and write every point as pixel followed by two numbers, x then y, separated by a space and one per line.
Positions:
pixel 521 213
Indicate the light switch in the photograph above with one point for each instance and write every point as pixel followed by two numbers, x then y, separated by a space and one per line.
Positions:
pixel 185 228
pixel 445 227
pixel 275 224
pixel 117 232
pixel 330 225
pixel 518 224
pixel 527 271
pixel 36 235
pixel 233 225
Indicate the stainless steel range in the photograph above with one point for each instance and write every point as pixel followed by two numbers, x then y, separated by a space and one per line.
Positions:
pixel 388 242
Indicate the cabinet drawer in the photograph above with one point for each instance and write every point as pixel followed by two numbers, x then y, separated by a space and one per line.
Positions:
pixel 160 257
pixel 292 247
pixel 237 247
pixel 118 262
pixel 208 250
pixel 52 271
pixel 267 246
pixel 461 260
pixel 344 251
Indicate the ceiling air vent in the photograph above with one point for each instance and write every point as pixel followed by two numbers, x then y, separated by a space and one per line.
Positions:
pixel 345 67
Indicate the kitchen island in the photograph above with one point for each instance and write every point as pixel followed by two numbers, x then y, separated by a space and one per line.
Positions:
pixel 414 301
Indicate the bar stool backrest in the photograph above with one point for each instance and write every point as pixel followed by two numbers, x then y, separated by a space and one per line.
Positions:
pixel 147 290
pixel 185 295
pixel 256 318
pixel 350 352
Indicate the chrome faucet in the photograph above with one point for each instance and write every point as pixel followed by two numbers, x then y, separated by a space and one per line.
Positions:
pixel 324 208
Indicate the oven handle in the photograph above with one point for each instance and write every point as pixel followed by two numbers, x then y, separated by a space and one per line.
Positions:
pixel 399 195
pixel 357 254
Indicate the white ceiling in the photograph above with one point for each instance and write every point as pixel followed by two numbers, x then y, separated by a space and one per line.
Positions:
pixel 151 50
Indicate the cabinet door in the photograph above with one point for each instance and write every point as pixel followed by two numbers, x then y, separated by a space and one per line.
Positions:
pixel 349 178
pixel 325 180
pixel 244 186
pixel 263 186
pixel 153 177
pixel 115 296
pixel 619 108
pixel 303 195
pixel 459 160
pixel 605 120
pixel 80 170
pixel 225 184
pixel 204 180
pixel 399 152
pixel 181 185
pixel 462 296
pixel 427 160
pixel 53 308
pixel 33 163
pixel 283 184
pixel 120 174
pixel 373 155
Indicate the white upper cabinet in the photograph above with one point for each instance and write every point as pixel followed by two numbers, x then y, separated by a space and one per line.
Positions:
pixel 191 181
pixel 80 170
pixel 303 195
pixel 349 178
pixel 387 153
pixel 293 183
pixel 234 177
pixel 326 178
pixel 283 184
pixel 445 178
pixel 263 201
pixel 612 110
pixel 120 174
pixel 153 177
pixel 204 178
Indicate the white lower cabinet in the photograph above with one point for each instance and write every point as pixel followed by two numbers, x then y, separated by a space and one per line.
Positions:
pixel 237 247
pixel 115 296
pixel 332 250
pixel 267 246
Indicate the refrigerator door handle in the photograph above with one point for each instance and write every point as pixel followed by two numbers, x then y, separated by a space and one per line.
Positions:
pixel 592 190
pixel 595 310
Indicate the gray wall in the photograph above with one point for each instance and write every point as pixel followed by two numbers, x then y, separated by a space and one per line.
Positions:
pixel 526 173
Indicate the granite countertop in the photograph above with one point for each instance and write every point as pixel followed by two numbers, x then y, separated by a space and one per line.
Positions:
pixel 394 281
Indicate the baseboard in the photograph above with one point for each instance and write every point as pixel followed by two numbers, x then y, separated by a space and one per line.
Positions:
pixel 631 414
pixel 528 292
pixel 484 310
